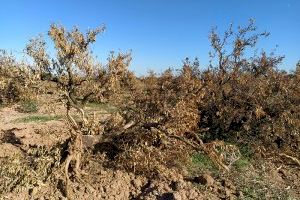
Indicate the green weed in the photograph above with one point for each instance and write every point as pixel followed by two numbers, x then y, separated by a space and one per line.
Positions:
pixel 203 163
pixel 38 118
pixel 247 154
pixel 104 107
pixel 241 164
pixel 28 106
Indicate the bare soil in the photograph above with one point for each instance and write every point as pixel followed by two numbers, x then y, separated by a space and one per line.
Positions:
pixel 267 178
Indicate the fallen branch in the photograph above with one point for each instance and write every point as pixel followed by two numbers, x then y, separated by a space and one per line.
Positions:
pixel 128 125
pixel 208 149
pixel 195 146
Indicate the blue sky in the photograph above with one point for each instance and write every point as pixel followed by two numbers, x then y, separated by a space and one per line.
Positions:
pixel 160 33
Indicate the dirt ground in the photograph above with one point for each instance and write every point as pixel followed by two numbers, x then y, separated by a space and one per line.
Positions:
pixel 102 183
pixel 264 179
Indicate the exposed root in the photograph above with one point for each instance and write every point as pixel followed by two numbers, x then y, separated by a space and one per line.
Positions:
pixel 291 157
pixel 75 151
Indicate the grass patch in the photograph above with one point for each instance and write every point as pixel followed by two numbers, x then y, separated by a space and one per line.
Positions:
pixel 241 164
pixel 38 118
pixel 202 162
pixel 264 192
pixel 246 151
pixel 28 106
pixel 245 160
pixel 106 107
pixel 253 193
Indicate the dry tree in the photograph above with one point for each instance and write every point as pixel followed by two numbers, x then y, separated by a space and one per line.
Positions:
pixel 16 79
pixel 120 82
pixel 230 99
pixel 246 96
pixel 74 71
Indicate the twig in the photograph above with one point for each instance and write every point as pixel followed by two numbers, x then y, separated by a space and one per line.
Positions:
pixel 291 157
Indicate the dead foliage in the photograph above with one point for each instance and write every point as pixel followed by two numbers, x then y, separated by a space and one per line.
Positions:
pixel 161 118
pixel 16 80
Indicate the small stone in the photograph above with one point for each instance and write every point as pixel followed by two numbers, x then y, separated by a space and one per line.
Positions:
pixel 227 192
pixel 177 196
pixel 193 194
pixel 137 183
pixel 89 141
